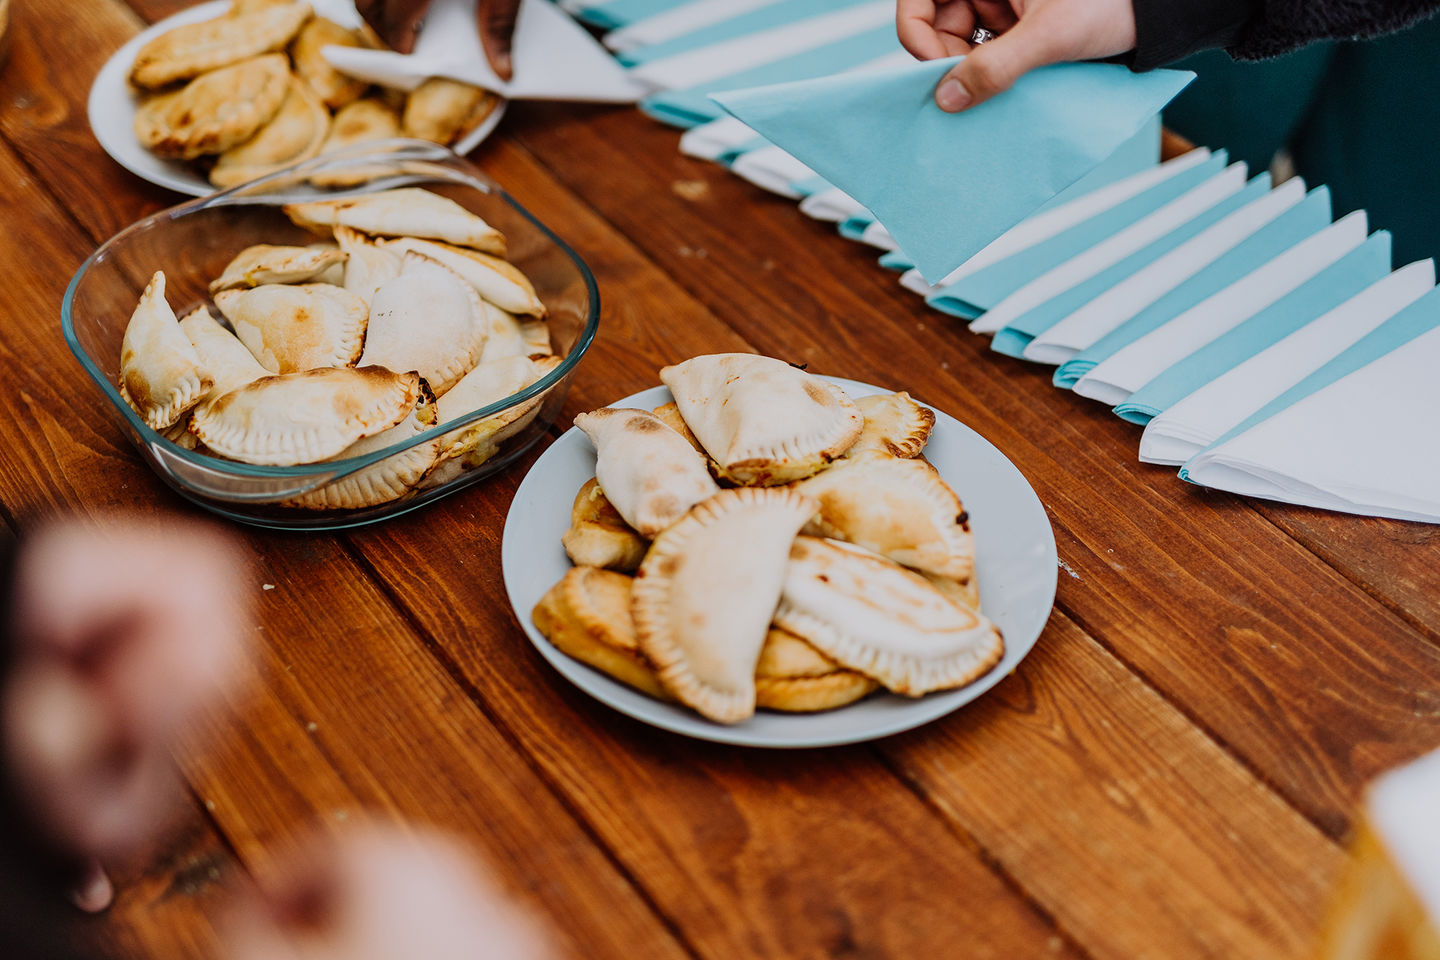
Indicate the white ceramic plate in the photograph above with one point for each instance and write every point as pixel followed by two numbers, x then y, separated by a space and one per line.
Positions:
pixel 1015 560
pixel 112 112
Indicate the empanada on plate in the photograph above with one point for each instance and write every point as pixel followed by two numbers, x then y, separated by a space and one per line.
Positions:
pixel 587 617
pixel 794 677
pixel 406 212
pixel 264 263
pixel 294 134
pixel 390 478
pixel 333 88
pixel 468 447
pixel 216 111
pixel 426 319
pixel 228 361
pixel 894 424
pixel 369 266
pixel 364 120
pixel 497 281
pixel 440 108
pixel 884 621
pixel 762 421
pixel 899 508
pixel 670 415
pixel 706 591
pixel 196 48
pixel 296 418
pixel 161 375
pixel 598 536
pixel 648 471
pixel 295 327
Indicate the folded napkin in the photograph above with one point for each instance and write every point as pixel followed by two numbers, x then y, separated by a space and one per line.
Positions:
pixel 1303 220
pixel 554 58
pixel 751 40
pixel 831 206
pixel 613 14
pixel 687 106
pixel 1317 296
pixel 897 260
pixel 1202 417
pixel 771 168
pixel 877 236
pixel 945 185
pixel 1072 333
pixel 1081 279
pixel 978 289
pixel 1133 366
pixel 1355 436
pixel 720 140
pixel 677 21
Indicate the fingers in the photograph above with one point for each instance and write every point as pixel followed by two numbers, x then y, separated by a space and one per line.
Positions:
pixel 496 21
pixel 994 67
pixel 395 21
pixel 933 30
pixel 94 892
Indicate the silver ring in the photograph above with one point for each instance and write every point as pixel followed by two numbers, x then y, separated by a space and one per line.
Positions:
pixel 981 35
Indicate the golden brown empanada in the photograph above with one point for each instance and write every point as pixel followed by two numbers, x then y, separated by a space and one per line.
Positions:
pixel 296 418
pixel 894 424
pixel 405 212
pixel 598 536
pixel 196 48
pixel 216 111
pixel 295 327
pixel 440 108
pixel 295 133
pixel 426 319
pixel 161 375
pixel 761 420
pixel 587 617
pixel 508 336
pixel 794 677
pixel 264 263
pixel 225 358
pixel 332 87
pixel 705 593
pixel 670 414
pixel 468 447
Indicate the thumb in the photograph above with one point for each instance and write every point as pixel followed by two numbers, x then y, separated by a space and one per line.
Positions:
pixel 993 67
pixel 496 20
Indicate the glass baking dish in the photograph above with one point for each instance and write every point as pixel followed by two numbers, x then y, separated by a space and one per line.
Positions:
pixel 193 242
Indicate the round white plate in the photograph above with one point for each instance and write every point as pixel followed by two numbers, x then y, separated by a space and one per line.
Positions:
pixel 112 112
pixel 1015 558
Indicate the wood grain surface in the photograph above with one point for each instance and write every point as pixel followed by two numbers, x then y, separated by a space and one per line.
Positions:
pixel 1170 774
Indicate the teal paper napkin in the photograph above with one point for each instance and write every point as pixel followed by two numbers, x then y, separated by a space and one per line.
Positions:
pixel 1013 339
pixel 1305 219
pixel 765 18
pixel 692 105
pixel 1419 318
pixel 945 185
pixel 896 260
pixel 1316 297
pixel 971 296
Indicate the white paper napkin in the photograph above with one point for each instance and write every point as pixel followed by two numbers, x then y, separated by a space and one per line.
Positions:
pixel 679 21
pixel 1365 444
pixel 1114 249
pixel 771 168
pixel 1129 369
pixel 831 206
pixel 1209 413
pixel 554 58
pixel 713 140
pixel 877 236
pixel 1142 288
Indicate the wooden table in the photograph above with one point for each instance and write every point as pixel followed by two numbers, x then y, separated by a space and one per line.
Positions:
pixel 1171 773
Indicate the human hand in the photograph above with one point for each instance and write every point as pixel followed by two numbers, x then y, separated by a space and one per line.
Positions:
pixel 398 21
pixel 1031 33
pixel 383 895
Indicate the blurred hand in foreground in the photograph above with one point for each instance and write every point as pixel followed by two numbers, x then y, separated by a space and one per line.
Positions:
pixel 1030 34
pixel 399 21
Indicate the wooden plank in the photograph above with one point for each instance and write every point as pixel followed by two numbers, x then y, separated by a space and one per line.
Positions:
pixel 1193 589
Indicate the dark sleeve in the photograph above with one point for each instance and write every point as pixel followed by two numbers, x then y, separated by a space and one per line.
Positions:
pixel 1168 30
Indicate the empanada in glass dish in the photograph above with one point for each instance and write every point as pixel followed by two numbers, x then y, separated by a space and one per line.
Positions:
pixel 404 212
pixel 295 327
pixel 161 375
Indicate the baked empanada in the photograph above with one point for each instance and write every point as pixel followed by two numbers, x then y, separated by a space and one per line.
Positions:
pixel 406 212
pixel 468 447
pixel 228 361
pixel 426 319
pixel 295 327
pixel 706 591
pixel 598 536
pixel 161 375
pixel 889 623
pixel 216 111
pixel 368 266
pixel 295 133
pixel 333 88
pixel 440 109
pixel 762 421
pixel 648 471
pixel 509 336
pixel 361 121
pixel 587 616
pixel 497 281
pixel 196 48
pixel 794 677
pixel 899 508
pixel 670 415
pixel 296 418
pixel 894 424
pixel 264 263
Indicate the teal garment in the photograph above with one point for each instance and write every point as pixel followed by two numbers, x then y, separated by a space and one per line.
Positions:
pixel 619 13
pixel 1013 339
pixel 946 185
pixel 692 105
pixel 1304 220
pixel 1359 116
pixel 1419 318
pixel 755 21
pixel 971 296
pixel 1345 278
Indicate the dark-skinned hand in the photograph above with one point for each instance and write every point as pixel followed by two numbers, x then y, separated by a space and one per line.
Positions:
pixel 399 21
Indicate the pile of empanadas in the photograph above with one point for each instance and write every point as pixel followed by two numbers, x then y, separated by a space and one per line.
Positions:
pixel 790 548
pixel 408 320
pixel 250 92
